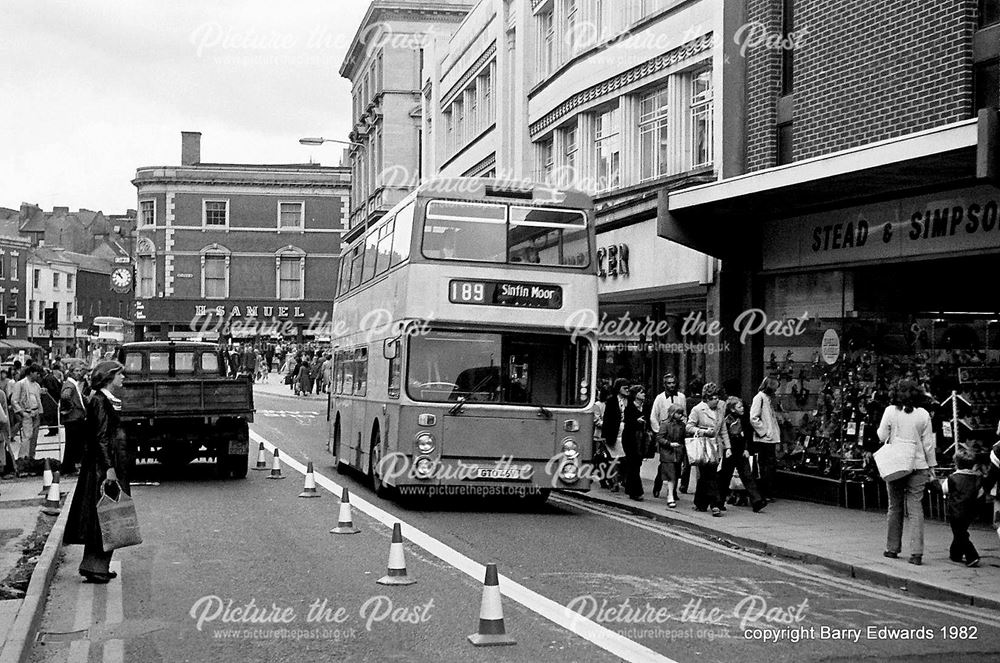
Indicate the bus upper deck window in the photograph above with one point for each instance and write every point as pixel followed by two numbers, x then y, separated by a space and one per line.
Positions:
pixel 465 231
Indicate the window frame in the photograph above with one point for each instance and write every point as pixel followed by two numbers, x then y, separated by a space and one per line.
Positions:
pixel 290 254
pixel 141 220
pixel 616 110
pixel 302 215
pixel 656 122
pixel 215 254
pixel 205 225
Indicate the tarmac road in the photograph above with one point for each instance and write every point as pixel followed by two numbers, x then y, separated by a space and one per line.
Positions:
pixel 670 591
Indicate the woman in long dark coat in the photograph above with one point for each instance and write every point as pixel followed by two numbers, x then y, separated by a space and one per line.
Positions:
pixel 632 441
pixel 105 463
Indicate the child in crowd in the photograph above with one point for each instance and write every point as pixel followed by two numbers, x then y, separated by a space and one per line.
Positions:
pixel 963 490
pixel 670 442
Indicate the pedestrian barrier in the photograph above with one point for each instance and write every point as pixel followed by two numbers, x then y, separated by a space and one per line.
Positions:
pixel 396 574
pixel 309 489
pixel 276 467
pixel 345 525
pixel 261 458
pixel 51 503
pixel 46 478
pixel 492 632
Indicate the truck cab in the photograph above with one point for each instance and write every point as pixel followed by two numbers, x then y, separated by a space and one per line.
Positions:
pixel 180 405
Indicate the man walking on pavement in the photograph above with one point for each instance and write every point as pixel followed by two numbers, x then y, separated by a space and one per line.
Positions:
pixel 27 403
pixel 73 411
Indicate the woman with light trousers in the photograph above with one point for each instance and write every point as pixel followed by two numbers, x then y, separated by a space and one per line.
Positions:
pixel 905 423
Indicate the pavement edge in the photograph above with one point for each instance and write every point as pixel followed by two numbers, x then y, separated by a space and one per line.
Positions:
pixel 29 615
pixel 865 574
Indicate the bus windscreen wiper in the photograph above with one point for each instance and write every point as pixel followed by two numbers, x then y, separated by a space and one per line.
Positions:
pixel 457 407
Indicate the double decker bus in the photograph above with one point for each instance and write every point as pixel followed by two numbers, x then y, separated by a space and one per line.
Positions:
pixel 107 334
pixel 455 362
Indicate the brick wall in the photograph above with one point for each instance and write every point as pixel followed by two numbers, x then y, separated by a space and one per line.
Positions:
pixel 865 71
pixel 763 85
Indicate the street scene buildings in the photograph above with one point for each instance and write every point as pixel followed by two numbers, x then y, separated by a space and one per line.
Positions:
pixel 643 330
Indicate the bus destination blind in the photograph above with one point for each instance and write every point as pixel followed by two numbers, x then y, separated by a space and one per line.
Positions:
pixel 505 293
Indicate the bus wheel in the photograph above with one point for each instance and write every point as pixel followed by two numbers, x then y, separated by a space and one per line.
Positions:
pixel 335 447
pixel 375 467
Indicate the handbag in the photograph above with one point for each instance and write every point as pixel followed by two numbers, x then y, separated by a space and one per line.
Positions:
pixel 701 450
pixel 895 459
pixel 118 520
pixel 736 483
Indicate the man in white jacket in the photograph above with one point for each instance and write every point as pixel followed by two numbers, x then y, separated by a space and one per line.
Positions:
pixel 766 434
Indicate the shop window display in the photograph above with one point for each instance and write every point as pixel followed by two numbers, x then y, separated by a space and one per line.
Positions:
pixel 879 330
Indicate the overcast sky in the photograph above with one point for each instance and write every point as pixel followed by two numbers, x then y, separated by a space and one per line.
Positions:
pixel 92 89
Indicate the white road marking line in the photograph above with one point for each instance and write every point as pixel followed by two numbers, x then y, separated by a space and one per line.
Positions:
pixel 846 584
pixel 115 610
pixel 608 640
pixel 79 650
pixel 114 651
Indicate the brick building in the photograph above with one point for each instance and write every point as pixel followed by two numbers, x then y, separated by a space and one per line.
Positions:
pixel 14 251
pixel 866 199
pixel 252 246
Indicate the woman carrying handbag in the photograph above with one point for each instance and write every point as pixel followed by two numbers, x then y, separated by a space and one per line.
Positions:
pixel 905 423
pixel 706 421
pixel 104 469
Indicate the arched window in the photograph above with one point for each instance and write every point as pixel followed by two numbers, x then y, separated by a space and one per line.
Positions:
pixel 215 272
pixel 290 273
pixel 145 253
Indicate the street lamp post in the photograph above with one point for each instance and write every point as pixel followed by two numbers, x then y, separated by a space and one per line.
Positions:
pixel 311 140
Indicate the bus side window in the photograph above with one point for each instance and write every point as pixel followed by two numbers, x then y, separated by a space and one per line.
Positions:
pixel 338 375
pixel 371 246
pixel 395 372
pixel 344 282
pixel 348 372
pixel 402 235
pixel 361 371
pixel 384 247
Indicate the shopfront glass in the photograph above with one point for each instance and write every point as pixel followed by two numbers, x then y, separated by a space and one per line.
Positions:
pixel 935 322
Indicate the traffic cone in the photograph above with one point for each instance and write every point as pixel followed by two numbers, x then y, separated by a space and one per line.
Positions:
pixel 344 523
pixel 309 490
pixel 276 467
pixel 491 629
pixel 51 503
pixel 397 563
pixel 261 458
pixel 46 478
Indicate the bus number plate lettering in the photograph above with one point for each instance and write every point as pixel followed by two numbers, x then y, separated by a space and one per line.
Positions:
pixel 505 293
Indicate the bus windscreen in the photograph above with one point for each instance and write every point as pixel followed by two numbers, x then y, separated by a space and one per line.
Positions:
pixel 504 368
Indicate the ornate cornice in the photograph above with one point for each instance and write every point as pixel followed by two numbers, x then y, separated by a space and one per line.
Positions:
pixel 482 166
pixel 637 73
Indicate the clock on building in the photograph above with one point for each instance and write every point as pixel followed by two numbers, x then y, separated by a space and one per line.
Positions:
pixel 121 279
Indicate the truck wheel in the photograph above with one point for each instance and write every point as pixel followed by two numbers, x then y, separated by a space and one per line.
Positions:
pixel 238 466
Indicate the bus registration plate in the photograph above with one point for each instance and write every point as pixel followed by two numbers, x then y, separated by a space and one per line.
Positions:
pixel 505 293
pixel 497 473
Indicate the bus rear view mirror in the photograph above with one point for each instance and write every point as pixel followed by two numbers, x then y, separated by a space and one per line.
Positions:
pixel 390 348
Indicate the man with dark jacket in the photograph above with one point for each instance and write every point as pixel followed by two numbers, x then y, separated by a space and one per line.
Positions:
pixel 73 413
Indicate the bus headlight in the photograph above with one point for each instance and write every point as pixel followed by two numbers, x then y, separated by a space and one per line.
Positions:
pixel 570 450
pixel 425 442
pixel 423 467
pixel 569 472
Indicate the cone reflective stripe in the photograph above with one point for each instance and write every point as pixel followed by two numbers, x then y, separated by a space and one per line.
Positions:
pixel 261 458
pixel 51 503
pixel 491 627
pixel 46 478
pixel 396 573
pixel 344 523
pixel 309 490
pixel 276 467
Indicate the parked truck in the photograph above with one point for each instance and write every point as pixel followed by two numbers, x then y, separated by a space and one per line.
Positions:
pixel 180 405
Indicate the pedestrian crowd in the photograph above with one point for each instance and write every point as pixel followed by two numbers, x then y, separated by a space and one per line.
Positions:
pixel 705 434
pixel 731 450
pixel 306 368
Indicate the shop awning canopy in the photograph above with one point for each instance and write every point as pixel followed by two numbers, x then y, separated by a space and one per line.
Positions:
pixel 17 344
pixel 720 218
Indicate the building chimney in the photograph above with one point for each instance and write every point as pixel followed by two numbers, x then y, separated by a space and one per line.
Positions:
pixel 190 148
pixel 60 211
